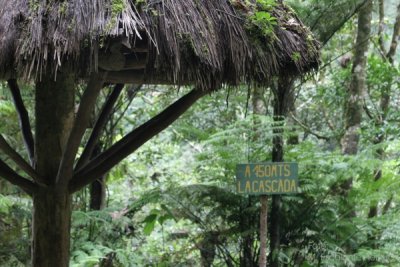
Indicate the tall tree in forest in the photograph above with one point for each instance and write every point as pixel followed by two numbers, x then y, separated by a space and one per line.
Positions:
pixel 283 98
pixel 379 117
pixel 354 100
pixel 60 45
pixel 259 108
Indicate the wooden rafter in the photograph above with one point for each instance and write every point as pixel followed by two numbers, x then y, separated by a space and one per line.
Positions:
pixel 21 163
pixel 81 121
pixel 23 118
pixel 10 175
pixel 99 126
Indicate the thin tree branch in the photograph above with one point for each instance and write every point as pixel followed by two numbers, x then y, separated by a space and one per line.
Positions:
pixel 368 112
pixel 21 163
pixel 328 121
pixel 321 15
pixel 379 48
pixel 324 38
pixel 82 119
pixel 191 144
pixel 23 119
pixel 376 114
pixel 307 129
pixel 138 77
pixel 10 175
pixel 113 122
pixel 131 93
pixel 116 153
pixel 387 205
pixel 99 126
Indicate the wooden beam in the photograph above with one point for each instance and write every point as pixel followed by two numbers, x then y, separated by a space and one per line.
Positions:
pixel 117 61
pixel 10 175
pixel 81 121
pixel 126 77
pixel 135 61
pixel 139 77
pixel 23 118
pixel 21 163
pixel 99 126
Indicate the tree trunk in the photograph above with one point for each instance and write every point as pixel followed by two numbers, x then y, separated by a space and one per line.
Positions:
pixel 282 100
pixel 51 227
pixel 98 194
pixel 385 97
pixel 262 262
pixel 260 109
pixel 52 204
pixel 207 248
pixel 248 238
pixel 293 138
pixel 353 109
pixel 98 187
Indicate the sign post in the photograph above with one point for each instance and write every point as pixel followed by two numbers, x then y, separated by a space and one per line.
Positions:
pixel 269 178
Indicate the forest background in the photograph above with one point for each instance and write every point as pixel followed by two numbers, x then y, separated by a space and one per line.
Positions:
pixel 173 202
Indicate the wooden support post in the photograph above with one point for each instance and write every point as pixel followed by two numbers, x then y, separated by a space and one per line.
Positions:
pixel 262 260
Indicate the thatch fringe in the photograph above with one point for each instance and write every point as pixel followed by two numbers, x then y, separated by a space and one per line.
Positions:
pixel 207 42
pixel 47 32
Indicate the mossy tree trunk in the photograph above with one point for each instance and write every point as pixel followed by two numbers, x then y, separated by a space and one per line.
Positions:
pixel 380 117
pixel 353 109
pixel 51 228
pixel 259 108
pixel 52 202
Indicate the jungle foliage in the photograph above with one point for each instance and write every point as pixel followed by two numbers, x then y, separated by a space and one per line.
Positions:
pixel 173 202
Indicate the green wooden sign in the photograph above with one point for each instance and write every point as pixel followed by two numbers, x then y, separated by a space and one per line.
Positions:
pixel 268 178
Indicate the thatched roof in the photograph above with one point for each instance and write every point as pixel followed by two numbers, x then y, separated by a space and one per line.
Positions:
pixel 206 42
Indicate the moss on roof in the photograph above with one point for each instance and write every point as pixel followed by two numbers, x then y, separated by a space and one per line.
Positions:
pixel 205 42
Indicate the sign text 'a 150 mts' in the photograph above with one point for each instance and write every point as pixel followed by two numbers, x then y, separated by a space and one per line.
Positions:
pixel 267 178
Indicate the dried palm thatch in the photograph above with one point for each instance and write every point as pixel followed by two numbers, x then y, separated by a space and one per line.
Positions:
pixel 205 42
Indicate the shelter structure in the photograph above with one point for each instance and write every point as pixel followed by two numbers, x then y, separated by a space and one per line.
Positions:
pixel 56 45
pixel 170 41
